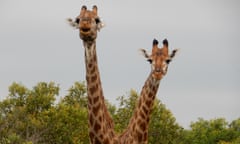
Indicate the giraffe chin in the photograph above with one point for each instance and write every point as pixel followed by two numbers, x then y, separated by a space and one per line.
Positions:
pixel 87 35
pixel 157 75
pixel 88 38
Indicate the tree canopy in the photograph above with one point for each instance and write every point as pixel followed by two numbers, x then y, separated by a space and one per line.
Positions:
pixel 38 116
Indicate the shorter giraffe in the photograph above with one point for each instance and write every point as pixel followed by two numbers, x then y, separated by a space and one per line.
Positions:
pixel 159 59
pixel 137 130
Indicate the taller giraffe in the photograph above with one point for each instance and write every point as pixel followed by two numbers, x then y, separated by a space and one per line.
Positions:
pixel 137 130
pixel 101 127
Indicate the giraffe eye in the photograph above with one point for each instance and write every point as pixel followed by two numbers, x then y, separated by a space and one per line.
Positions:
pixel 97 20
pixel 150 61
pixel 77 20
pixel 168 61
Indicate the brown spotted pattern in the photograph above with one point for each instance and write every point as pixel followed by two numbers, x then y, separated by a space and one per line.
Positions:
pixel 137 130
pixel 99 120
pixel 101 126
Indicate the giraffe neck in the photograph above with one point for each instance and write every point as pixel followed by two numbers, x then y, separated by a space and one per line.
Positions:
pixel 100 121
pixel 144 108
pixel 137 130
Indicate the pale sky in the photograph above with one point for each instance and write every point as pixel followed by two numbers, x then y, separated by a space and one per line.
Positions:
pixel 36 44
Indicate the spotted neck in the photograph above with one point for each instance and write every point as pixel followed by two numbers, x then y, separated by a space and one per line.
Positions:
pixel 100 122
pixel 137 130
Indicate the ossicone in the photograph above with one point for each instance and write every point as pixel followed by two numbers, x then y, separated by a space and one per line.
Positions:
pixel 165 42
pixel 95 9
pixel 155 42
pixel 84 7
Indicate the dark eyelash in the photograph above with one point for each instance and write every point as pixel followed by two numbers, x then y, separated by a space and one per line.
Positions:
pixel 150 61
pixel 77 20
pixel 168 61
pixel 97 20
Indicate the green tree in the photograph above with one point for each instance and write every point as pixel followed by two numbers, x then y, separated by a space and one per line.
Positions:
pixel 67 122
pixel 42 97
pixel 125 110
pixel 20 112
pixel 215 131
pixel 163 128
pixel 77 94
pixel 33 116
pixel 234 127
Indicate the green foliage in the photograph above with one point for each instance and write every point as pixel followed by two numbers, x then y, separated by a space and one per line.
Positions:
pixel 30 116
pixel 41 97
pixel 21 121
pixel 215 131
pixel 125 110
pixel 33 116
pixel 77 95
pixel 163 128
pixel 67 122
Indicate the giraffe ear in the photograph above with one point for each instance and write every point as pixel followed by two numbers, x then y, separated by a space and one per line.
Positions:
pixel 171 56
pixel 73 23
pixel 146 55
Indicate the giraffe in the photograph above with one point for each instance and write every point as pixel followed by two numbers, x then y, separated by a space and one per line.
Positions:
pixel 137 130
pixel 101 126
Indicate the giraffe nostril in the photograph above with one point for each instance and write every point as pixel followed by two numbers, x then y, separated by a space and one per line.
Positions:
pixel 158 70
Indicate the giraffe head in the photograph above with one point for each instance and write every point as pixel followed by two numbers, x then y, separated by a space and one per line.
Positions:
pixel 88 23
pixel 159 59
